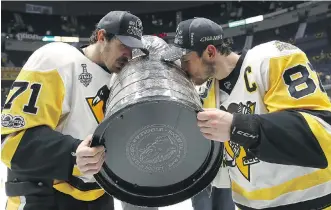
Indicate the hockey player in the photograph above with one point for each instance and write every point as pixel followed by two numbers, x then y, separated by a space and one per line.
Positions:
pixel 278 117
pixel 54 105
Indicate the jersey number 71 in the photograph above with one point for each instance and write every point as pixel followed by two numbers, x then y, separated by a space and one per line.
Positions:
pixel 22 86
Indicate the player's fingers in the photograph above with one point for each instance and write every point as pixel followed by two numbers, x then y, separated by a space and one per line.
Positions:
pixel 203 123
pixel 87 140
pixel 92 159
pixel 91 169
pixel 90 151
pixel 203 116
pixel 87 167
pixel 207 130
pixel 208 123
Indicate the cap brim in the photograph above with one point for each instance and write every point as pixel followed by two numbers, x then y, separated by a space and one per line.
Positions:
pixel 131 41
pixel 174 53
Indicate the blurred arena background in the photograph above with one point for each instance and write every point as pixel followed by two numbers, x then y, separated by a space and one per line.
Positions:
pixel 25 26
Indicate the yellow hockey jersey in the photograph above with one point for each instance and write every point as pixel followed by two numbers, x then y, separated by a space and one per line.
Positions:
pixel 290 166
pixel 57 100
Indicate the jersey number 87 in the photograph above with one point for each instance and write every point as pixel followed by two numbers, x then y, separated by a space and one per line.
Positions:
pixel 299 81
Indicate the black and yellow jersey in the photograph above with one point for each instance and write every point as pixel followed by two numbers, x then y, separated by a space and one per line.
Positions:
pixel 57 100
pixel 281 107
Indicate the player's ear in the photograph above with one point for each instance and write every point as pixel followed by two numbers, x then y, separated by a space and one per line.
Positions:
pixel 211 51
pixel 101 35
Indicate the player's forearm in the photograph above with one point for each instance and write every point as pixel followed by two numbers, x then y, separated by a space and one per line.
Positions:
pixel 282 137
pixel 44 153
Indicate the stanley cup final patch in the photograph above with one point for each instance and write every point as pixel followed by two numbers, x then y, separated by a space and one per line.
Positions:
pixel 85 77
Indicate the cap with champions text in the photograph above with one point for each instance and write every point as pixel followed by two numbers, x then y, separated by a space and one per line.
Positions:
pixel 125 26
pixel 194 35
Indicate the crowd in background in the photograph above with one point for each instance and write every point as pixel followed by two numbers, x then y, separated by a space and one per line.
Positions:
pixel 163 22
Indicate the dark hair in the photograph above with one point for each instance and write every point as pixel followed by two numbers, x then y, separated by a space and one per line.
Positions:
pixel 223 49
pixel 94 36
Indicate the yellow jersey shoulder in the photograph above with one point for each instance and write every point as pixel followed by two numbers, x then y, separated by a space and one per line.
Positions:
pixel 289 78
pixel 38 93
pixel 274 49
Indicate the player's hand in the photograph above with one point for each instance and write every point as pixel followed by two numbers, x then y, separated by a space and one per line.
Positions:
pixel 215 124
pixel 89 160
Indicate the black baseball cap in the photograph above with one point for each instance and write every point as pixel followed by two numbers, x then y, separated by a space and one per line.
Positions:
pixel 194 35
pixel 125 26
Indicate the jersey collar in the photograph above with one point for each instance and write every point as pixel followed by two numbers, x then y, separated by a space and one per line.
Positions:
pixel 227 84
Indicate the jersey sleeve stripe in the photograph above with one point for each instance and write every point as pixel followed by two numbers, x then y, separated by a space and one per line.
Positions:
pixel 74 191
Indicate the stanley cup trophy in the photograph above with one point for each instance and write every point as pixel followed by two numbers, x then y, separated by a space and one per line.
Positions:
pixel 156 155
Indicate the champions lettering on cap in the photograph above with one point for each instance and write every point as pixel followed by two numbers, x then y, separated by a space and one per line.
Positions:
pixel 194 35
pixel 125 26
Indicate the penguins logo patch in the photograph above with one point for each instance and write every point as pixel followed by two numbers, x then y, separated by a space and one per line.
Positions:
pixel 97 103
pixel 237 156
